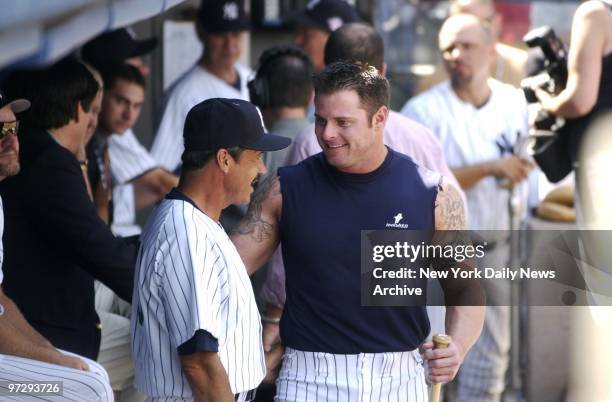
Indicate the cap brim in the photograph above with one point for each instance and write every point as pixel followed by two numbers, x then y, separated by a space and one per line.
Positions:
pixel 143 47
pixel 19 105
pixel 269 142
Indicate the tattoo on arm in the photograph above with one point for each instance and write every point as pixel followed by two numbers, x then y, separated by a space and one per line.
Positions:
pixel 449 206
pixel 254 224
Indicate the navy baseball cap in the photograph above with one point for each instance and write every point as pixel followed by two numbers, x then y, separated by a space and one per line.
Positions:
pixel 327 15
pixel 225 123
pixel 17 105
pixel 219 16
pixel 117 45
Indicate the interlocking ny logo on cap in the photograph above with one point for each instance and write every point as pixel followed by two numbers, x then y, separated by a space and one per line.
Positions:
pixel 230 11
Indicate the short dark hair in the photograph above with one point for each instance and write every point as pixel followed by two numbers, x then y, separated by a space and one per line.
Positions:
pixel 371 87
pixel 54 92
pixel 193 160
pixel 111 72
pixel 287 71
pixel 355 42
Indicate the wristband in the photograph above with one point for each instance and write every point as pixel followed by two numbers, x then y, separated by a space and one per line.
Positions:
pixel 270 320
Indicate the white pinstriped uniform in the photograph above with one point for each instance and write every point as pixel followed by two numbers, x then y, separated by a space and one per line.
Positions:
pixel 189 277
pixel 77 385
pixel 128 160
pixel 364 377
pixel 195 86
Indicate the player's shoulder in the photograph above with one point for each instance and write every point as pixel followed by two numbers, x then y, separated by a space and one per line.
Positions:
pixel 449 208
pixel 406 163
pixel 507 95
pixel 428 100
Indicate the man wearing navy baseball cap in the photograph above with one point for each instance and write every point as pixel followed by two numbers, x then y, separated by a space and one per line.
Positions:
pixel 314 24
pixel 221 26
pixel 212 327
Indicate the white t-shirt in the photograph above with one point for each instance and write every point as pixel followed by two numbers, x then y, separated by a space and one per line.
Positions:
pixel 196 86
pixel 190 277
pixel 128 160
pixel 469 135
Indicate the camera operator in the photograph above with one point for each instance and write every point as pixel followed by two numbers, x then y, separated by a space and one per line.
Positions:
pixel 589 84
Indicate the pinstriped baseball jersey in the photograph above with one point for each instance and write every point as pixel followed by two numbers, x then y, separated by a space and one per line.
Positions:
pixel 192 293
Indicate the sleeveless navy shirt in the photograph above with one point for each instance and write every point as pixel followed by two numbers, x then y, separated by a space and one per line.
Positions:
pixel 323 213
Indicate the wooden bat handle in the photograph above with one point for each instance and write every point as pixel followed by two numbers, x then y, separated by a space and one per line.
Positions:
pixel 440 341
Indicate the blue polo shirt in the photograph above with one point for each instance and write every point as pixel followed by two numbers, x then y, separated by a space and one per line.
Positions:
pixel 323 213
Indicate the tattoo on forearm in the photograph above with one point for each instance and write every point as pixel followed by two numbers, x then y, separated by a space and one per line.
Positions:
pixel 253 224
pixel 450 207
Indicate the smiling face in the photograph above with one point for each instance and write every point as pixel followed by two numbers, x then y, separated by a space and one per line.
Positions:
pixel 243 173
pixel 351 141
pixel 9 146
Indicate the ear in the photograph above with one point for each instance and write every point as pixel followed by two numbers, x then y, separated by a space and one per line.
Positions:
pixel 224 160
pixel 79 113
pixel 380 117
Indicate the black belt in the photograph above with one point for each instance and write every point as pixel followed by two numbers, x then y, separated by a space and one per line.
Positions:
pixel 250 395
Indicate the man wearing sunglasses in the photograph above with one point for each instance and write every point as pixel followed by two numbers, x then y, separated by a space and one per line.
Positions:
pixel 25 355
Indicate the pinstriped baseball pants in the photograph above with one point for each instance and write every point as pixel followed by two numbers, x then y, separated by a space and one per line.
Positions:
pixel 78 386
pixel 364 377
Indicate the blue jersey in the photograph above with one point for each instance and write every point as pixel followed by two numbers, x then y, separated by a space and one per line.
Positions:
pixel 323 213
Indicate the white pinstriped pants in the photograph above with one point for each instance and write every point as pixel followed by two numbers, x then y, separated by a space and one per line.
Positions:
pixel 365 377
pixel 78 386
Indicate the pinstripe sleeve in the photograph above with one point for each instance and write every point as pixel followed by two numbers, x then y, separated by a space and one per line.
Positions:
pixel 128 158
pixel 195 285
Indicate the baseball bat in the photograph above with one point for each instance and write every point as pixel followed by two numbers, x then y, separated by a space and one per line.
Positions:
pixel 440 341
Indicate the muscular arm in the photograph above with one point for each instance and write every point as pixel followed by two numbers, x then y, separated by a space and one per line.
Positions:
pixel 207 377
pixel 464 320
pixel 257 235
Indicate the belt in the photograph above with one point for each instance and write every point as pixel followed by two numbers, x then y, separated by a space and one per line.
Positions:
pixel 245 396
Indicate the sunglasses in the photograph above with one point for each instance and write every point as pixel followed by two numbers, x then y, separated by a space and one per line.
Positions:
pixel 8 128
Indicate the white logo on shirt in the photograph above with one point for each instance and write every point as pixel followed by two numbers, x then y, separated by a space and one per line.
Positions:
pixel 230 11
pixel 398 217
pixel 396 224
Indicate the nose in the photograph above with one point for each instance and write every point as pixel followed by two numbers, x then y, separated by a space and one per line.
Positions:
pixel 127 114
pixel 262 169
pixel 326 132
pixel 456 53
